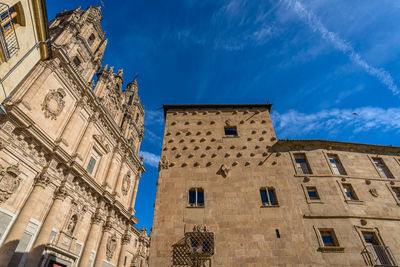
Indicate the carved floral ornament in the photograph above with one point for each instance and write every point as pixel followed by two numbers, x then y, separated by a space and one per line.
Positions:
pixel 126 183
pixel 9 181
pixel 111 246
pixel 53 103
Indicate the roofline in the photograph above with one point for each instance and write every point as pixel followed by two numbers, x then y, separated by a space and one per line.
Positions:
pixel 337 143
pixel 215 106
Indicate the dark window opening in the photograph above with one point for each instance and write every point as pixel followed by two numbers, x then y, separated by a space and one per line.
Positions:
pixel 90 166
pixel 231 131
pixel 196 197
pixel 91 39
pixel 278 235
pixel 302 164
pixel 328 238
pixel 268 196
pixel 396 191
pixel 77 62
pixel 312 193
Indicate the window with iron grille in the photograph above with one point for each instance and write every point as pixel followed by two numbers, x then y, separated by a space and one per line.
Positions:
pixel 91 165
pixel 382 168
pixel 336 165
pixel 268 196
pixel 302 164
pixel 10 19
pixel 196 197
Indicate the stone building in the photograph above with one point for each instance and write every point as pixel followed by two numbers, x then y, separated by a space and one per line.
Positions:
pixel 269 202
pixel 69 164
pixel 23 40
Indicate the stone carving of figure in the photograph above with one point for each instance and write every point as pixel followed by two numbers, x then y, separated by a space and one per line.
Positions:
pixel 72 224
pixel 111 246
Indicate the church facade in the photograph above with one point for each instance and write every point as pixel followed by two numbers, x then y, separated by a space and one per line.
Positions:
pixel 69 164
pixel 230 194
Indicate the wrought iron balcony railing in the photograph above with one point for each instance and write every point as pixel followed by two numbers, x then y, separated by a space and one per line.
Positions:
pixel 8 38
pixel 381 256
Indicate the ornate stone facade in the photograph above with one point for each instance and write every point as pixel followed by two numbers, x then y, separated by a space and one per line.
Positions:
pixel 69 165
pixel 269 202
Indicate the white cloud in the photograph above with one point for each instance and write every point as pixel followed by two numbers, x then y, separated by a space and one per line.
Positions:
pixel 150 158
pixel 294 124
pixel 154 117
pixel 316 25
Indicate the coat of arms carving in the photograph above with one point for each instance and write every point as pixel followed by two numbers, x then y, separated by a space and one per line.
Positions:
pixel 126 183
pixel 53 103
pixel 9 181
pixel 111 246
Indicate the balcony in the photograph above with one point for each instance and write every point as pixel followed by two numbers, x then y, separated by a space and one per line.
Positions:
pixel 380 256
pixel 8 39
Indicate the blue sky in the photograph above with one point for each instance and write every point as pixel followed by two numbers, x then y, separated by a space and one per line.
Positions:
pixel 318 62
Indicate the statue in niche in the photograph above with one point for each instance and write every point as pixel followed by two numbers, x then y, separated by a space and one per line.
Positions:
pixel 72 224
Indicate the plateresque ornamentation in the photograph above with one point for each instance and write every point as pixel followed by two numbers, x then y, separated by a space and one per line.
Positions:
pixel 126 183
pixel 53 103
pixel 9 181
pixel 111 246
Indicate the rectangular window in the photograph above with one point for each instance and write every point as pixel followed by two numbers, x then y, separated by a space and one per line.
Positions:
pixel 396 191
pixel 5 220
pixel 302 164
pixel 232 131
pixel 336 165
pixel 328 238
pixel 77 62
pixel 349 192
pixel 24 245
pixel 196 197
pixel 268 196
pixel 382 168
pixel 91 165
pixel 10 19
pixel 312 193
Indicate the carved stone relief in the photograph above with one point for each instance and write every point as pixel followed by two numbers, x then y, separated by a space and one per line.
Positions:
pixel 163 164
pixel 53 103
pixel 223 171
pixel 126 184
pixel 9 181
pixel 111 246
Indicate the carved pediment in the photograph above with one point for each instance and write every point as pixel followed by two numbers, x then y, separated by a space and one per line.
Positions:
pixel 101 140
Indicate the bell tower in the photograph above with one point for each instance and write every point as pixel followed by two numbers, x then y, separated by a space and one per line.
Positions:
pixel 80 34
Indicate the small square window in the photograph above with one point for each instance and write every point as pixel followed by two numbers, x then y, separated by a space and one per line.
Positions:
pixel 328 238
pixel 231 131
pixel 196 197
pixel 268 196
pixel 77 62
pixel 312 193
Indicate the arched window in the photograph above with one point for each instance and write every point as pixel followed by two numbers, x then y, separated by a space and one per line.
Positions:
pixel 196 197
pixel 91 39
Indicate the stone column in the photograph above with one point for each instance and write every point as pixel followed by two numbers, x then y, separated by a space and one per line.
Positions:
pixel 102 251
pixel 126 239
pixel 91 239
pixel 68 125
pixel 109 166
pixel 80 143
pixel 117 179
pixel 135 191
pixel 34 205
pixel 43 236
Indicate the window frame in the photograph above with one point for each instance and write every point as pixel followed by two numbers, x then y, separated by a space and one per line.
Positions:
pixel 269 204
pixel 354 193
pixel 11 223
pixel 93 153
pixel 308 199
pixel 293 155
pixel 327 156
pixel 231 135
pixel 90 41
pixel 196 204
pixel 321 244
pixel 384 164
pixel 390 188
